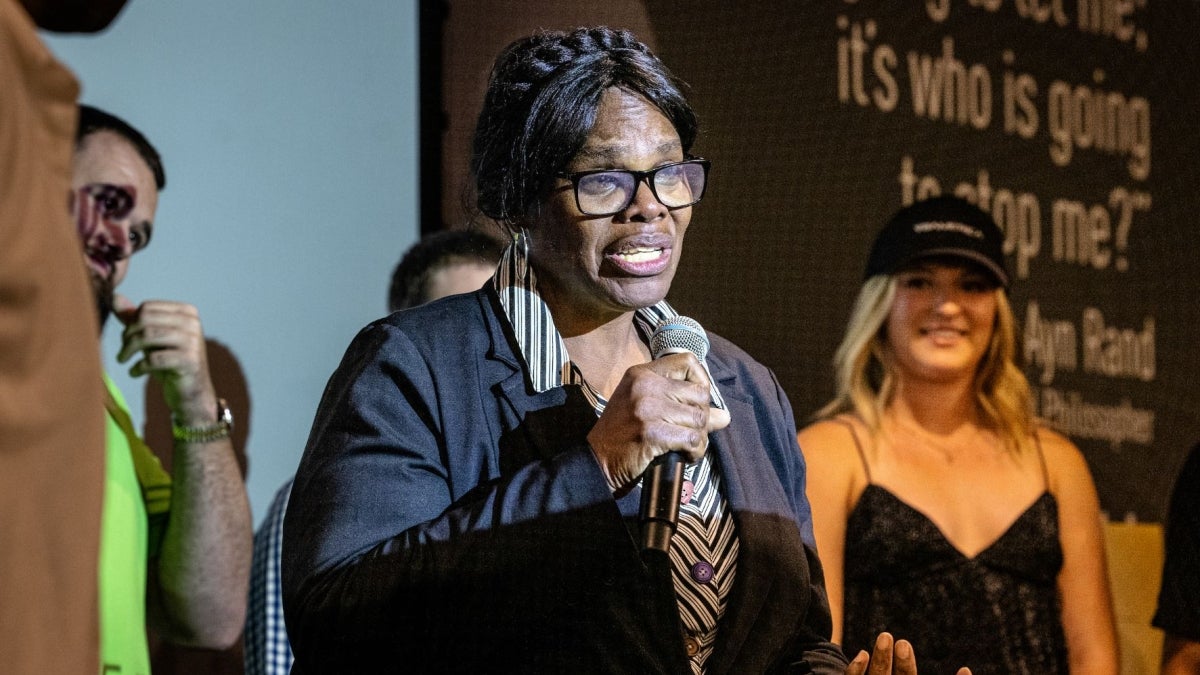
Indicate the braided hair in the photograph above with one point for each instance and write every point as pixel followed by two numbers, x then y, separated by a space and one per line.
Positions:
pixel 541 104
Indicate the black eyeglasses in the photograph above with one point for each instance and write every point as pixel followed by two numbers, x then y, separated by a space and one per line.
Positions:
pixel 605 192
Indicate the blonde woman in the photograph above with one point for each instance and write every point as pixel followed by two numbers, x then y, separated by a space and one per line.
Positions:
pixel 943 511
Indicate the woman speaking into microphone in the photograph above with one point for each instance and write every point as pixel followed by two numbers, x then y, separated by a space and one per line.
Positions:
pixel 469 497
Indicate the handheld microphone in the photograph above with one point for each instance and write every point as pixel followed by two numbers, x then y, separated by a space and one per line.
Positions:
pixel 663 480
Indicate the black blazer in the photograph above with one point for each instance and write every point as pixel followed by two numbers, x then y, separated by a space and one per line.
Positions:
pixel 446 519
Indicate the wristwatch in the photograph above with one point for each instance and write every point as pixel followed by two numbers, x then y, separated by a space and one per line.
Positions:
pixel 208 433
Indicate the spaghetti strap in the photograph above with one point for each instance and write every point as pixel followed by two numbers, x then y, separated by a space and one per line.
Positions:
pixel 857 445
pixel 1037 443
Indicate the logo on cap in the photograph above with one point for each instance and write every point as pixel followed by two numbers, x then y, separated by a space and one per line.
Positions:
pixel 947 226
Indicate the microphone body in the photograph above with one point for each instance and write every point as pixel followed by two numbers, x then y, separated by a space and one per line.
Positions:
pixel 662 482
pixel 661 486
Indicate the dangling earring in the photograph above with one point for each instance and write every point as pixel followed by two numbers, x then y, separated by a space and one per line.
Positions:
pixel 518 251
pixel 523 239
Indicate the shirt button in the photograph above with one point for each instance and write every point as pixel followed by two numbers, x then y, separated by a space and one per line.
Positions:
pixel 692 645
pixel 685 495
pixel 702 572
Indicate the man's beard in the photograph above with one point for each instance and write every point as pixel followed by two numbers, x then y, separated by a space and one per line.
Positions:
pixel 102 289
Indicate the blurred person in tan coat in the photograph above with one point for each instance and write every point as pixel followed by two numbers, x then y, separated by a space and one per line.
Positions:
pixel 51 395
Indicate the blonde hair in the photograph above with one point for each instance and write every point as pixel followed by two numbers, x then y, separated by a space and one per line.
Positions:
pixel 863 368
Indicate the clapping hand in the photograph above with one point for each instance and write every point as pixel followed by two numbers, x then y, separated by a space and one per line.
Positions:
pixel 888 657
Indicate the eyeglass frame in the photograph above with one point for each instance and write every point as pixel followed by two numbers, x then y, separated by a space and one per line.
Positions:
pixel 646 177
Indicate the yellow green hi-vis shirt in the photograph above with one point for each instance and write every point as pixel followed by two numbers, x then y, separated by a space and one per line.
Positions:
pixel 124 550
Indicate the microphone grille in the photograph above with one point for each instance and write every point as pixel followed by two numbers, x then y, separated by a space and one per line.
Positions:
pixel 675 334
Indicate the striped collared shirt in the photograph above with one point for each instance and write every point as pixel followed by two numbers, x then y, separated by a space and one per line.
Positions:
pixel 265 639
pixel 705 546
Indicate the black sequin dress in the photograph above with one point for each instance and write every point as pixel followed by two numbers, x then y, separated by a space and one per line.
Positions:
pixel 997 612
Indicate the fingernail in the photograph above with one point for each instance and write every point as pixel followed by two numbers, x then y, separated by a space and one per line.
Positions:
pixel 903 649
pixel 862 656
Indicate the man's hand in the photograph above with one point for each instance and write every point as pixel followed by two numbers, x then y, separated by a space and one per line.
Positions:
pixel 170 341
pixel 196 593
pixel 888 657
pixel 658 407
